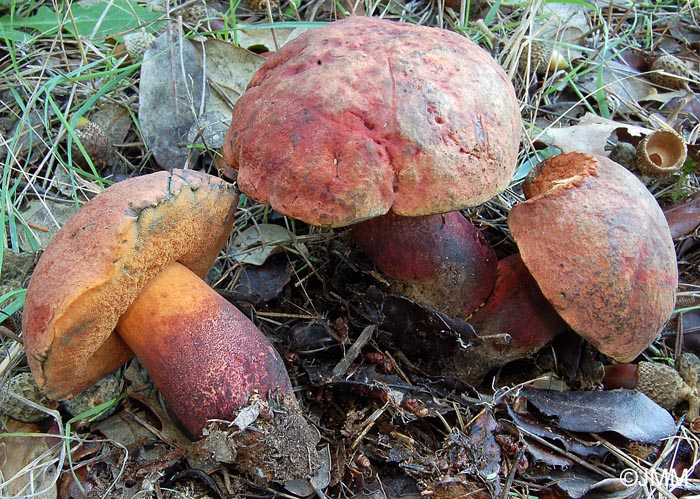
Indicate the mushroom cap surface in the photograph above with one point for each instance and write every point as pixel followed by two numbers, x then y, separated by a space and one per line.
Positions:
pixel 99 261
pixel 599 247
pixel 364 115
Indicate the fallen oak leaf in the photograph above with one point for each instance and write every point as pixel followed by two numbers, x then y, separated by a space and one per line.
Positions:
pixel 171 92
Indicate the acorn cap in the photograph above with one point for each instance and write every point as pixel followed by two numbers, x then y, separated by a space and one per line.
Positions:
pixel 106 389
pixel 97 264
pixel 660 383
pixel 669 72
pixel 137 42
pixel 23 384
pixel 661 153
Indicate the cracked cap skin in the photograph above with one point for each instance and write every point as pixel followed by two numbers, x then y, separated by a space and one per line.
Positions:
pixel 97 264
pixel 364 115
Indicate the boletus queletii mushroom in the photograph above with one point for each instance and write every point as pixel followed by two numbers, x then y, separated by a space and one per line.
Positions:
pixel 123 277
pixel 600 249
pixel 394 128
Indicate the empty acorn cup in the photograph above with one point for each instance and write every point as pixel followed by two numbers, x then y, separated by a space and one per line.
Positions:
pixel 661 153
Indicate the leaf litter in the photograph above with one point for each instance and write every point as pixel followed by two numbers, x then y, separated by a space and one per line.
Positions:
pixel 390 428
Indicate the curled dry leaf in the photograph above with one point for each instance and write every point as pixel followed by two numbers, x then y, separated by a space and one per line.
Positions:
pixel 622 85
pixel 255 244
pixel 684 217
pixel 590 135
pixel 26 464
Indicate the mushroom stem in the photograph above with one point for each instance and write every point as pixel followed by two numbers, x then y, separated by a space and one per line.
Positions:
pixel 516 321
pixel 203 354
pixel 441 261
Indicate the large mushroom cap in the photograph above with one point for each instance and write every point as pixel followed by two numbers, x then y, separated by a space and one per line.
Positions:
pixel 364 115
pixel 100 260
pixel 600 249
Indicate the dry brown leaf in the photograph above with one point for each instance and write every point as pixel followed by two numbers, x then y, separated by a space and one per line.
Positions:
pixel 590 135
pixel 229 68
pixel 170 98
pixel 25 463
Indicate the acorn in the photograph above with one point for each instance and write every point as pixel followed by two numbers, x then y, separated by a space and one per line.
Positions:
pixel 544 58
pixel 669 72
pixel 661 153
pixel 23 384
pixel 659 382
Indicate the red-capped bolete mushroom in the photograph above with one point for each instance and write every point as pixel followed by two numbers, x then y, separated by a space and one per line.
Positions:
pixel 366 117
pixel 599 247
pixel 124 277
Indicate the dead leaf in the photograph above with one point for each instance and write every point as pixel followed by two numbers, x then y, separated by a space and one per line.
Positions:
pixel 229 68
pixel 171 97
pixel 627 412
pixel 579 484
pixel 590 135
pixel 26 463
pixel 684 217
pixel 43 218
pixel 620 83
pixel 263 39
pixel 529 425
pixel 115 120
pixel 261 283
pixel 257 243
pixel 208 133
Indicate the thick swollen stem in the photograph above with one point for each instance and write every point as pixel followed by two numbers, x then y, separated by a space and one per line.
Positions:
pixel 203 354
pixel 441 261
pixel 516 321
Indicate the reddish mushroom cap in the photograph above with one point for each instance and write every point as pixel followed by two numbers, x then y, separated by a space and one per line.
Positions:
pixel 364 115
pixel 100 260
pixel 600 249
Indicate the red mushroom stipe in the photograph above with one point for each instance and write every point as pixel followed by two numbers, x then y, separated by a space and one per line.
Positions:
pixel 369 116
pixel 438 260
pixel 598 245
pixel 515 322
pixel 124 277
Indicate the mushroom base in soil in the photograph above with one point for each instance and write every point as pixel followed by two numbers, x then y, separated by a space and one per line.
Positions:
pixel 124 276
pixel 515 322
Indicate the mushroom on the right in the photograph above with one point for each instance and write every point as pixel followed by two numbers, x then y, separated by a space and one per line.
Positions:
pixel 598 245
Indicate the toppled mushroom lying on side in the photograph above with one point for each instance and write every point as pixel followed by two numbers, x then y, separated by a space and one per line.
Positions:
pixel 123 277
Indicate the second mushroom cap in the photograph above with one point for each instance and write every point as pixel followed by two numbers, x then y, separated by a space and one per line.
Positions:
pixel 598 245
